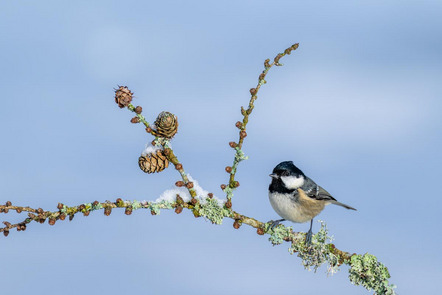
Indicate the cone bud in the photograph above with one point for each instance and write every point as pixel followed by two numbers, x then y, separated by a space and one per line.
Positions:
pixel 179 200
pixel 278 57
pixel 266 63
pixel 107 211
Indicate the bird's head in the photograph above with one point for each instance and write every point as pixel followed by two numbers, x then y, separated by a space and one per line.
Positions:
pixel 287 175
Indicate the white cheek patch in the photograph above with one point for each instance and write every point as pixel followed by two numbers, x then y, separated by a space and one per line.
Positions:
pixel 292 182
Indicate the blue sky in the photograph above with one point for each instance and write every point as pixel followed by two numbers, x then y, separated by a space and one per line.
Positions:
pixel 356 107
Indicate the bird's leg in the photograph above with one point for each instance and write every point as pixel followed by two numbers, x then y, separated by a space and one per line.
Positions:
pixel 308 237
pixel 275 223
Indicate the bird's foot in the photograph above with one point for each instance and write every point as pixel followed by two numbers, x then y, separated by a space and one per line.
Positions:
pixel 275 223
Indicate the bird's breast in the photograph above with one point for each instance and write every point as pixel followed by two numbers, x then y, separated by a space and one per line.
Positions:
pixel 295 207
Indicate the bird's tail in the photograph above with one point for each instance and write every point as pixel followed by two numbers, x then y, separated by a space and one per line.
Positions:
pixel 343 205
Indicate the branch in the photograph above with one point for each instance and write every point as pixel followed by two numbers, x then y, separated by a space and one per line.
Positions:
pixel 239 155
pixel 364 269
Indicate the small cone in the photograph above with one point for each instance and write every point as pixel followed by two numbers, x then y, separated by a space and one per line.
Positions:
pixel 155 162
pixel 123 96
pixel 166 125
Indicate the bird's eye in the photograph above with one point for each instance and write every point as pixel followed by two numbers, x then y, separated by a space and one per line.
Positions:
pixel 285 173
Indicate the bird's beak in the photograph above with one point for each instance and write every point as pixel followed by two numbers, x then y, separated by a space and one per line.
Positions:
pixel 273 175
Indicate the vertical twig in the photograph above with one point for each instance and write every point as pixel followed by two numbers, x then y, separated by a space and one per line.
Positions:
pixel 239 155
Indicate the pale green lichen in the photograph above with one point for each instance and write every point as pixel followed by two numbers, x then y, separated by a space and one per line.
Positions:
pixel 365 270
pixel 136 205
pixel 165 204
pixel 162 142
pixel 96 207
pixel 239 156
pixel 229 192
pixel 211 210
pixel 155 207
pixel 277 233
pixel 318 252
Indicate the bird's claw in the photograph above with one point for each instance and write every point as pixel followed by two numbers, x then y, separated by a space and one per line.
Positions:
pixel 274 223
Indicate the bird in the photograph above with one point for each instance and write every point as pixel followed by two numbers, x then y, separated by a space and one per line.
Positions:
pixel 296 197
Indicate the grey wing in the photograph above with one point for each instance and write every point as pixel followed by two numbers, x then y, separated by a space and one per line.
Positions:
pixel 314 191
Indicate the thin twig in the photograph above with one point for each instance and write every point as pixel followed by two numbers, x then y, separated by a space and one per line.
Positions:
pixel 239 155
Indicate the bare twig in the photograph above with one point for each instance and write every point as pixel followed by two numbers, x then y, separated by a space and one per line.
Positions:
pixel 239 155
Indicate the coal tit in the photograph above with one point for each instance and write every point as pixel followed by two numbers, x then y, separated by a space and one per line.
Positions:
pixel 296 197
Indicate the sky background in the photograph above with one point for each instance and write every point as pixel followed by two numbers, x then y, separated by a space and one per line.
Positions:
pixel 356 107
